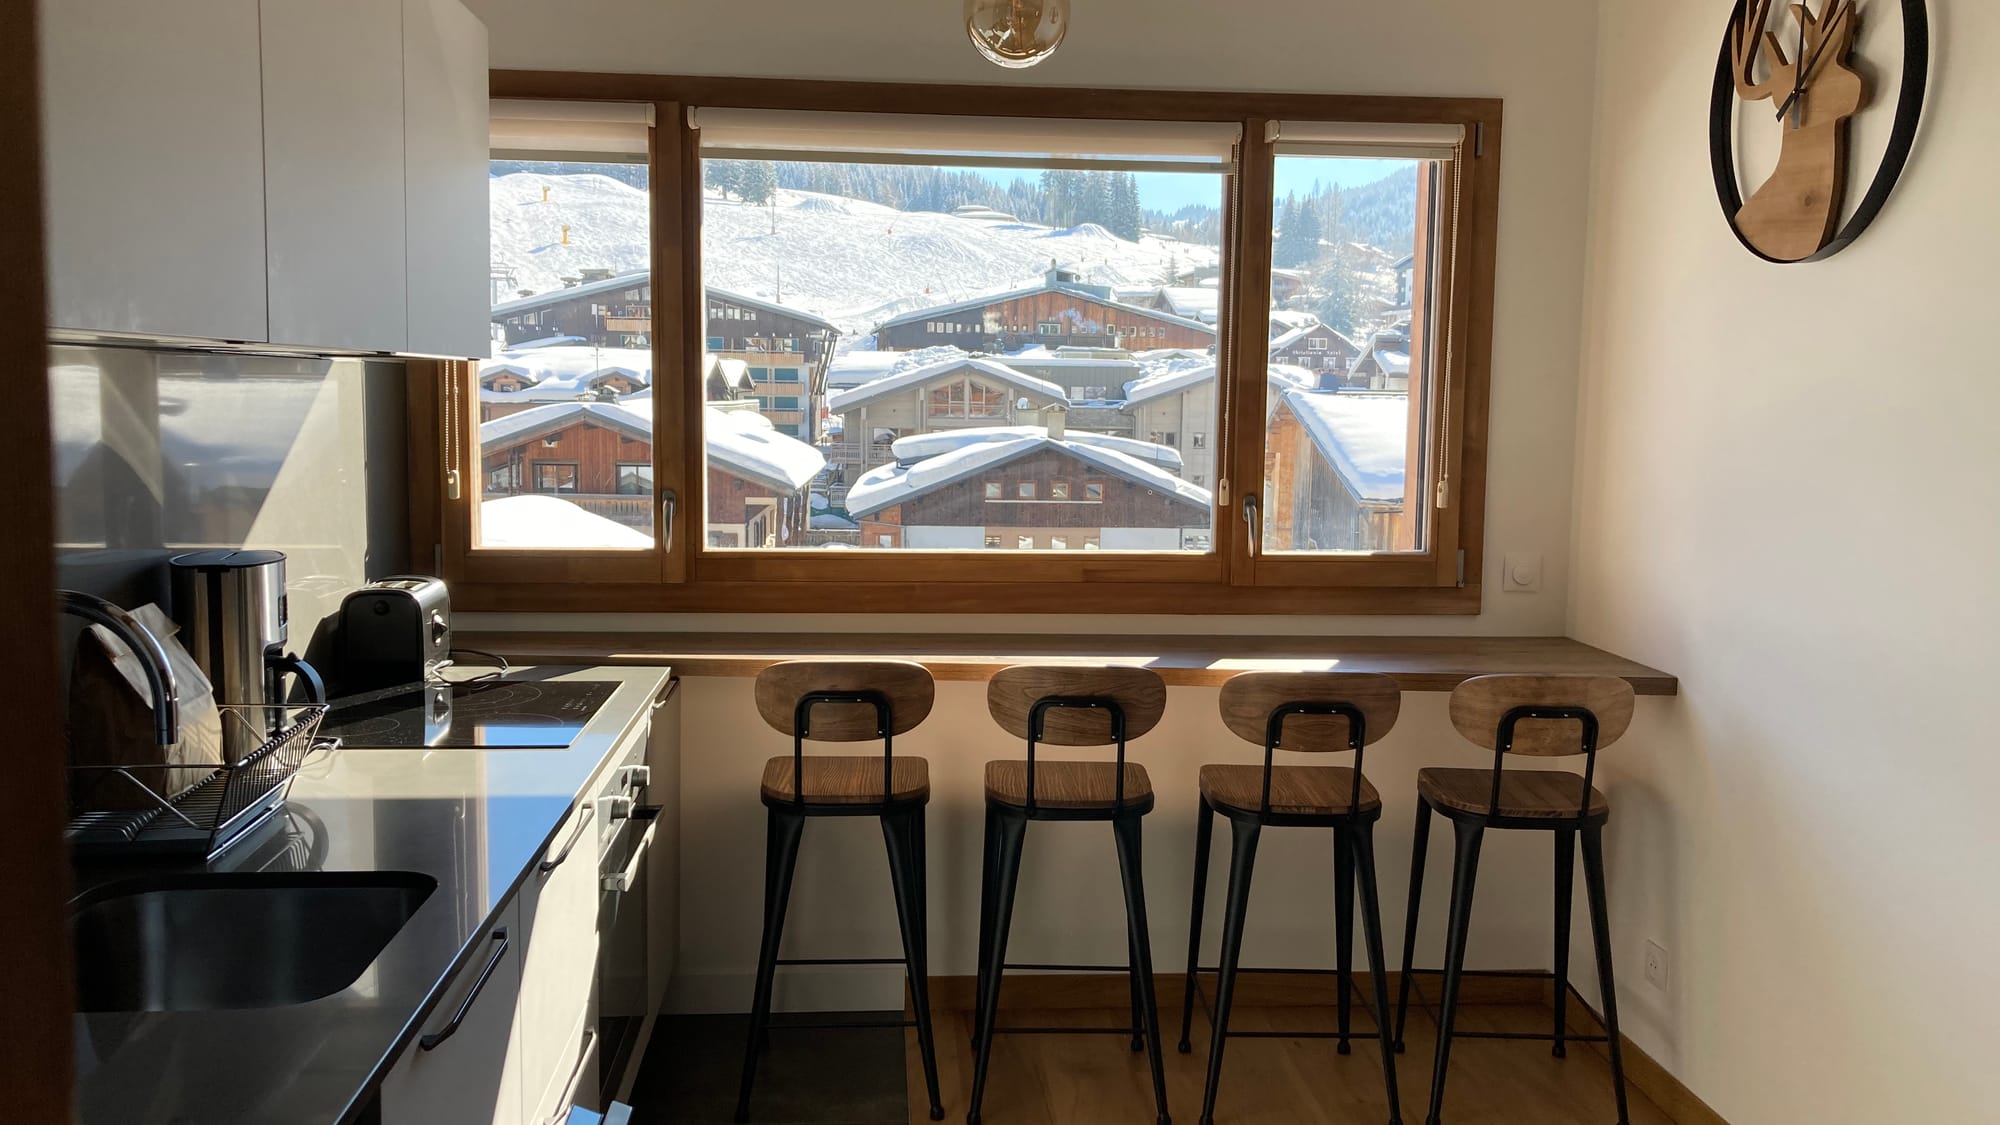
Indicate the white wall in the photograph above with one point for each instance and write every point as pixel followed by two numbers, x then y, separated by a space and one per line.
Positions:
pixel 1787 486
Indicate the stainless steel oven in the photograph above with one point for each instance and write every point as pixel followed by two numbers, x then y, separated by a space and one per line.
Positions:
pixel 630 816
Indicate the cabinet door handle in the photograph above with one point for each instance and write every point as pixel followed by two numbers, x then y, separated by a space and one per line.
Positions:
pixel 583 817
pixel 436 1038
pixel 622 881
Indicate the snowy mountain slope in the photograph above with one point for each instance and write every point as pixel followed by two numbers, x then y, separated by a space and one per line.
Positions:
pixel 850 261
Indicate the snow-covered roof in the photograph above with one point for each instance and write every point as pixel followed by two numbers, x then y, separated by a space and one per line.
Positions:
pixel 584 289
pixel 744 443
pixel 917 447
pixel 896 483
pixel 851 369
pixel 1284 320
pixel 550 521
pixel 1364 436
pixel 1045 286
pixel 645 277
pixel 1393 362
pixel 568 370
pixel 538 420
pixel 1172 382
pixel 1195 302
pixel 918 376
pixel 735 372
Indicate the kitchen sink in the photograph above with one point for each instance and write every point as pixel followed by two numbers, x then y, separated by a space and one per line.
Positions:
pixel 204 941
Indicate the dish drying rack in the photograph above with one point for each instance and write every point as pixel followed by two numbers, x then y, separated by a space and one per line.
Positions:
pixel 196 810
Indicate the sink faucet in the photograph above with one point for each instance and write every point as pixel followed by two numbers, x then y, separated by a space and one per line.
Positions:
pixel 152 657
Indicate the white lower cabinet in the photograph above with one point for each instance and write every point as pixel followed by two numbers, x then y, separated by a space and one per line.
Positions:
pixel 559 914
pixel 465 1066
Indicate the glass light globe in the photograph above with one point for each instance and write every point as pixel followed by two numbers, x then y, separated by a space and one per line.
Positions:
pixel 1016 33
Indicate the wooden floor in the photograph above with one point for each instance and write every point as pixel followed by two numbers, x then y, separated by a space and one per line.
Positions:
pixel 1088 1079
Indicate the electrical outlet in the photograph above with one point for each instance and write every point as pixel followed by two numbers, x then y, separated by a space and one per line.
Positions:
pixel 1521 574
pixel 1657 968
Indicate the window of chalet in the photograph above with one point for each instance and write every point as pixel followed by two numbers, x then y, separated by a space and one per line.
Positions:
pixel 998 337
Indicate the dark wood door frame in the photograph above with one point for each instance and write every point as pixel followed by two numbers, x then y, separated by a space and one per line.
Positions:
pixel 34 944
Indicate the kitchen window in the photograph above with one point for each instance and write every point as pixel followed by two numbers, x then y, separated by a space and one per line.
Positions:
pixel 1341 487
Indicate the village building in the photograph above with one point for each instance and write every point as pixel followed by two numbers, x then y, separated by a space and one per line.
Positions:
pixel 952 394
pixel 598 456
pixel 1335 467
pixel 785 351
pixel 1385 364
pixel 528 377
pixel 1061 311
pixel 1029 489
pixel 1316 348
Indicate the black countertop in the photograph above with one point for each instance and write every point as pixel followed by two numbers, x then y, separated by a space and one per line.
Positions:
pixel 473 820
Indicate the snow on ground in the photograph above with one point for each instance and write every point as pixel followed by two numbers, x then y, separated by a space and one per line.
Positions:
pixel 853 262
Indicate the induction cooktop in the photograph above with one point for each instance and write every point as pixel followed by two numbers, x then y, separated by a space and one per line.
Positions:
pixel 481 715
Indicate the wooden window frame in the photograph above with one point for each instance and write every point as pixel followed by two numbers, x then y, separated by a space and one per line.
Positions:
pixel 680 573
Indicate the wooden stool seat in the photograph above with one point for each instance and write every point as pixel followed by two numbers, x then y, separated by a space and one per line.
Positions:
pixel 847 779
pixel 1066 785
pixel 1295 790
pixel 1524 794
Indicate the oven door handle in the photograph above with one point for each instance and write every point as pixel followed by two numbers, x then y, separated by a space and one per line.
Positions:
pixel 622 881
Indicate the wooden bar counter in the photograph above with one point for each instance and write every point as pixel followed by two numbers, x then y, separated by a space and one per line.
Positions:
pixel 1417 663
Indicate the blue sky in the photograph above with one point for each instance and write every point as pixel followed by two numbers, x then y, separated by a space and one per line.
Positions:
pixel 1167 191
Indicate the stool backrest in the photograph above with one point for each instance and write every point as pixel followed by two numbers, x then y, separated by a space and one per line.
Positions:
pixel 1480 708
pixel 1543 717
pixel 905 687
pixel 1014 694
pixel 1250 699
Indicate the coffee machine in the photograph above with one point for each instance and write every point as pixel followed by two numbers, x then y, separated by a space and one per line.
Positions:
pixel 231 609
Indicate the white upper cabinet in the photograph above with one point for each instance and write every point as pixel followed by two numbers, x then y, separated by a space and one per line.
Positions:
pixel 333 173
pixel 153 139
pixel 303 173
pixel 445 159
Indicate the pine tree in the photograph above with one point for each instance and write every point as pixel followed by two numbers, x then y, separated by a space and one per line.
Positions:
pixel 758 182
pixel 1125 212
pixel 1096 207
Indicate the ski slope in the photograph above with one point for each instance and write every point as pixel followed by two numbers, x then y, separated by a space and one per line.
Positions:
pixel 853 262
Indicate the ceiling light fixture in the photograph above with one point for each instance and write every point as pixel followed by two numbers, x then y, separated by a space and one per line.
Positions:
pixel 1016 33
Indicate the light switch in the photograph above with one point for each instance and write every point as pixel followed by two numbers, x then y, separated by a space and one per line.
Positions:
pixel 1521 574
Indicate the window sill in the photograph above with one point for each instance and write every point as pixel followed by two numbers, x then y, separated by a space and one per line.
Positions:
pixel 1417 663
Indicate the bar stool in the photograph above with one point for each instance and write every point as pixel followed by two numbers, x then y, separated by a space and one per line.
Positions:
pixel 1067 705
pixel 845 701
pixel 1312 713
pixel 1544 717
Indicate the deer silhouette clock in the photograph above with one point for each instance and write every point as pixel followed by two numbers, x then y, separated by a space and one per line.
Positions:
pixel 1805 71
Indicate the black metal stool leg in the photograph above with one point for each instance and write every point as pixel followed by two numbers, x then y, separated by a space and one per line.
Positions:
pixel 1343 935
pixel 1371 924
pixel 1011 829
pixel 988 882
pixel 1419 844
pixel 1565 883
pixel 1464 873
pixel 1600 932
pixel 781 858
pixel 1204 831
pixel 1131 871
pixel 1242 860
pixel 902 834
pixel 1132 973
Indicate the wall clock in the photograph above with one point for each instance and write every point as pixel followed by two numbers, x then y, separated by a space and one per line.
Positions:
pixel 1804 72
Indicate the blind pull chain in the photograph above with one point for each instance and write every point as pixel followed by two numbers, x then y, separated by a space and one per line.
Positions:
pixel 1450 343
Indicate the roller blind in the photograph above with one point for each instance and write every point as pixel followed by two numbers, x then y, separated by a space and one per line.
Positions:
pixel 528 130
pixel 1358 138
pixel 915 138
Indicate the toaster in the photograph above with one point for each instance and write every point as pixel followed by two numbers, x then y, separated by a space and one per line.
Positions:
pixel 394 631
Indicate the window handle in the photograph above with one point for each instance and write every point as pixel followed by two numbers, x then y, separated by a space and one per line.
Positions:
pixel 1253 517
pixel 669 503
